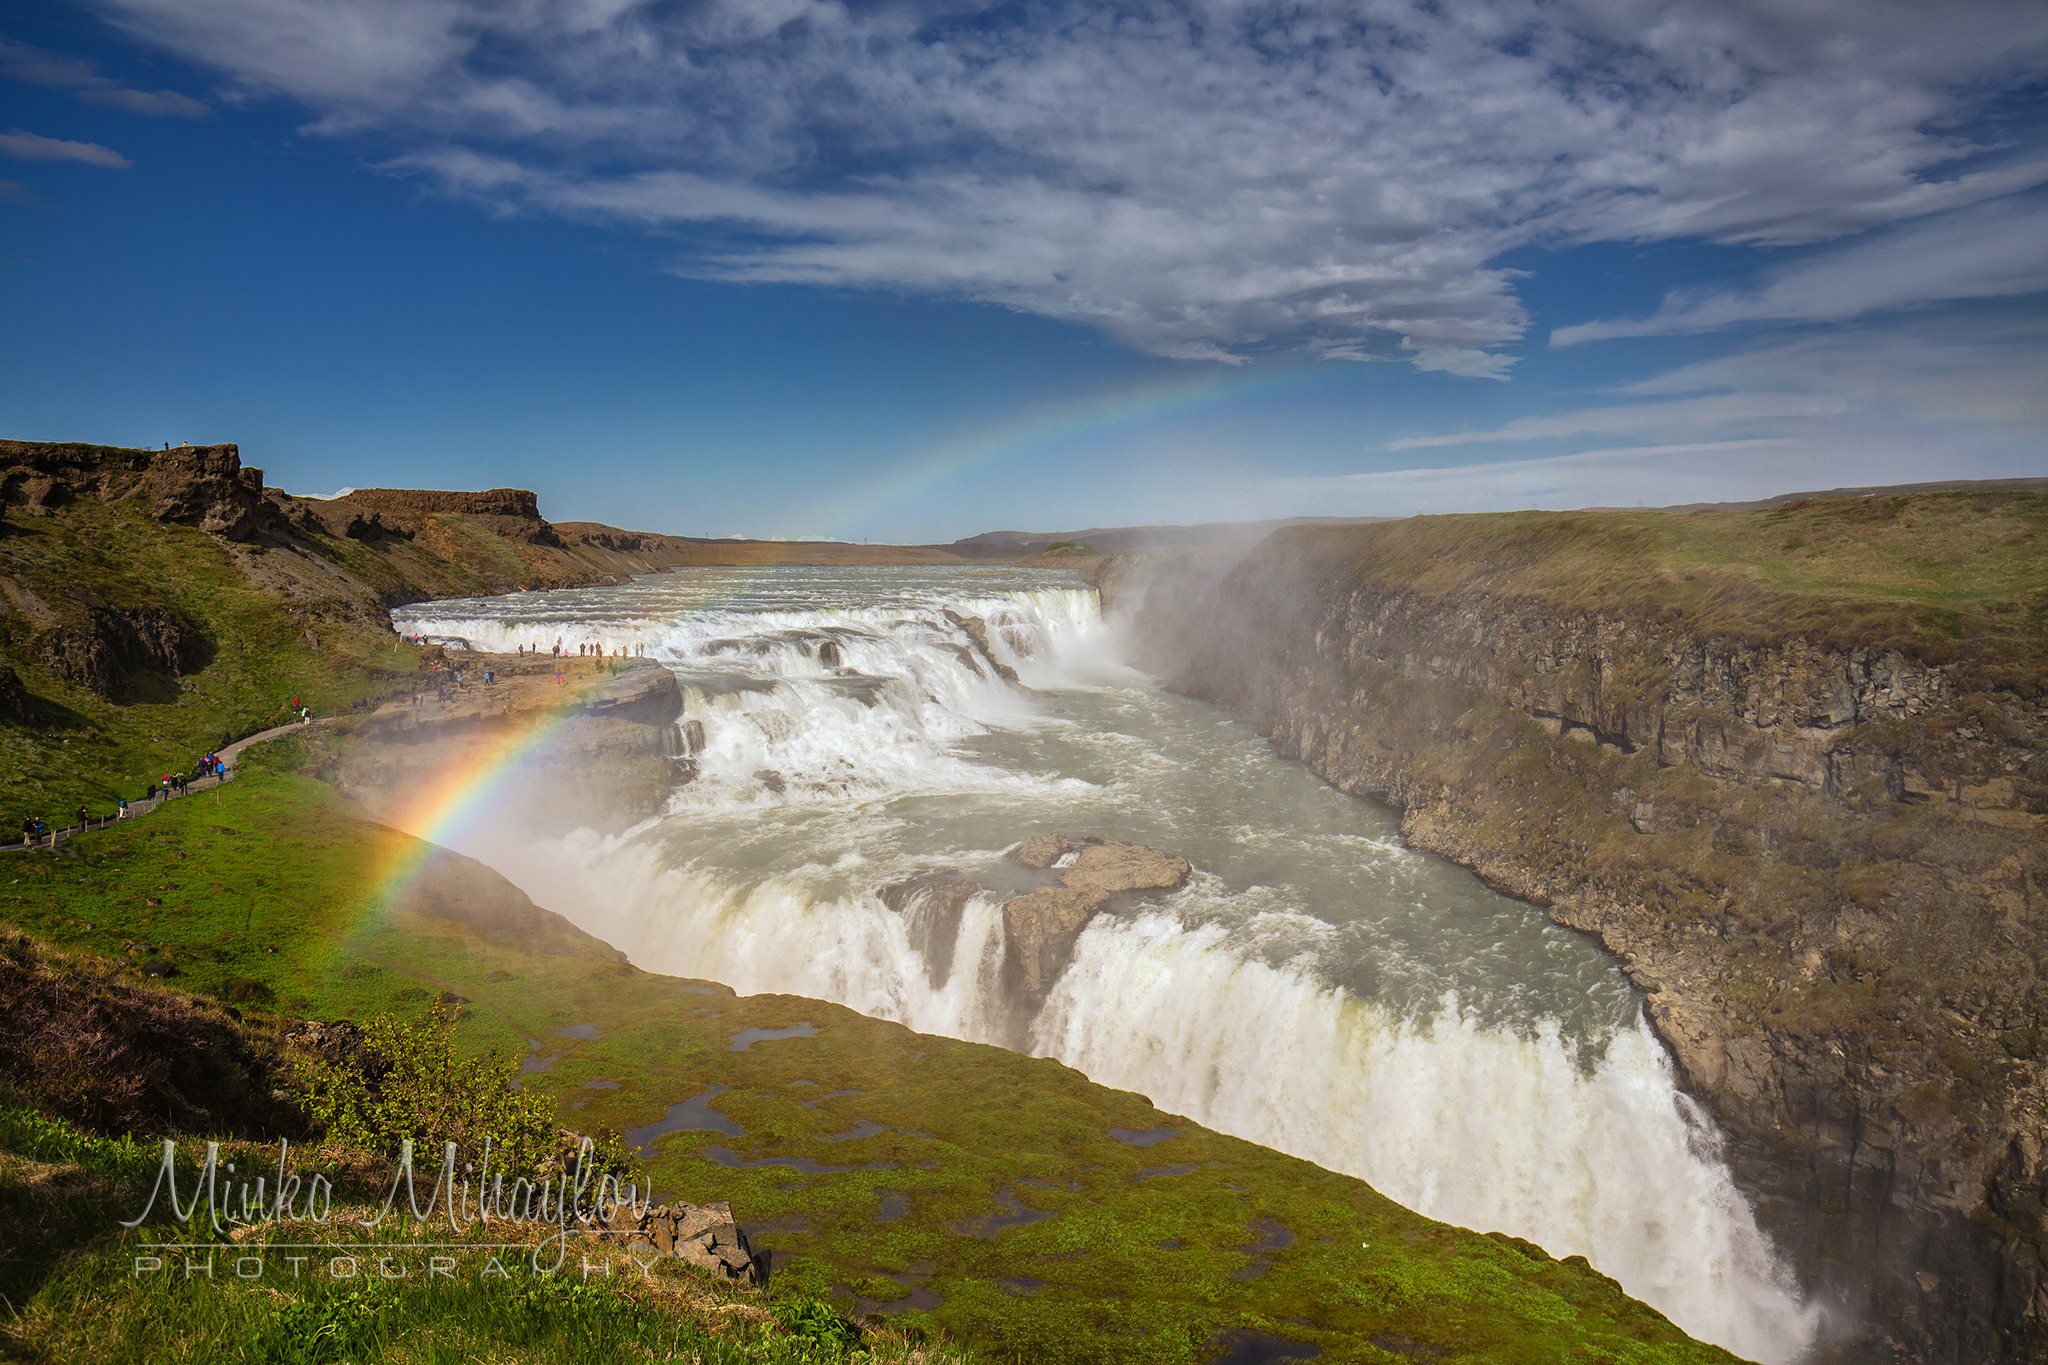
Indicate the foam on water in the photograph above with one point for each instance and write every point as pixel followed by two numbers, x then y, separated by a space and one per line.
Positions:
pixel 1317 987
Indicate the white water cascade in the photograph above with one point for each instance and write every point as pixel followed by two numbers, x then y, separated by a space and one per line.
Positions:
pixel 1317 987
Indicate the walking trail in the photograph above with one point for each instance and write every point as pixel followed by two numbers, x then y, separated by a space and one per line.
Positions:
pixel 229 756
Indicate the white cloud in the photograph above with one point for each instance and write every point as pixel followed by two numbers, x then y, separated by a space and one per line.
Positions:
pixel 35 66
pixel 1648 476
pixel 1850 408
pixel 1702 416
pixel 1996 250
pixel 1212 178
pixel 35 147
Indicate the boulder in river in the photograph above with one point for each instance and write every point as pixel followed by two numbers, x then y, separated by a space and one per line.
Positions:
pixel 1112 867
pixel 1039 927
pixel 1043 850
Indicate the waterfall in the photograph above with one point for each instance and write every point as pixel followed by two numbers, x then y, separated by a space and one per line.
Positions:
pixel 849 734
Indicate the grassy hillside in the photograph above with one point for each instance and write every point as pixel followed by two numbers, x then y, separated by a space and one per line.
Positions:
pixel 261 650
pixel 1955 575
pixel 988 1193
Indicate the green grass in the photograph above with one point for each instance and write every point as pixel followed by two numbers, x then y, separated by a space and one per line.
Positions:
pixel 86 749
pixel 1943 576
pixel 59 1185
pixel 263 893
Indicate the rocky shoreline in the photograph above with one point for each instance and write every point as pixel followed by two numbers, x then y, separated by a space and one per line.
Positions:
pixel 1822 866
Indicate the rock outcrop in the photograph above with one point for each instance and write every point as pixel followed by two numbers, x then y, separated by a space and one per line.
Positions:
pixel 931 905
pixel 976 629
pixel 203 486
pixel 702 1235
pixel 1040 926
pixel 1822 863
pixel 114 643
pixel 512 514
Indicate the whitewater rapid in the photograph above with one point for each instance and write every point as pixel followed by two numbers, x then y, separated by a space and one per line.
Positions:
pixel 1317 987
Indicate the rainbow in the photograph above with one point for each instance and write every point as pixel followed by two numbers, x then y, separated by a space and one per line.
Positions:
pixel 1150 403
pixel 446 807
pixel 439 811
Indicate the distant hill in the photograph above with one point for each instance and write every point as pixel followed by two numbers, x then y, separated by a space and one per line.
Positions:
pixel 1109 539
pixel 1875 490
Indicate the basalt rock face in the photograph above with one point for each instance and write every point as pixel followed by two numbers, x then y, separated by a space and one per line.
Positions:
pixel 976 629
pixel 1824 866
pixel 203 486
pixel 931 905
pixel 1041 925
pixel 112 644
pixel 511 513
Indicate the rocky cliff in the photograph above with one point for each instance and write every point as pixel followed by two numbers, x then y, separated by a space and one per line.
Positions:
pixel 1820 849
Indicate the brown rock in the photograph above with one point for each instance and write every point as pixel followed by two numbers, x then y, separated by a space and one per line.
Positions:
pixel 976 630
pixel 1111 868
pixel 1043 850
pixel 1040 928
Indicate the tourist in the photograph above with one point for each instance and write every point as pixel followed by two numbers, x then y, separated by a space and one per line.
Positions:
pixel 84 819
pixel 121 808
pixel 28 822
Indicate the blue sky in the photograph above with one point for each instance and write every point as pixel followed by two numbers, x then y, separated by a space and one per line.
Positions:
pixel 914 270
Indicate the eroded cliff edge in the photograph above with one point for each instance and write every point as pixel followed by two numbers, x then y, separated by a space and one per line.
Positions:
pixel 1812 824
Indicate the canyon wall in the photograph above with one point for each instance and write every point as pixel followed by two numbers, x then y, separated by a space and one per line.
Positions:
pixel 1823 864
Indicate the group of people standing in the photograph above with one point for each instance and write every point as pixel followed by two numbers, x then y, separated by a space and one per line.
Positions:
pixel 35 830
pixel 590 649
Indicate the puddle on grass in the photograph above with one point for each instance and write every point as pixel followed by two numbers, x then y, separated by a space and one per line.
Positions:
pixel 1023 1286
pixel 895 1204
pixel 726 1156
pixel 587 1032
pixel 866 1128
pixel 1143 1137
pixel 1177 1168
pixel 747 1037
pixel 600 1084
pixel 786 1222
pixel 692 1115
pixel 920 1298
pixel 533 1061
pixel 1013 1215
pixel 1272 1236
pixel 1247 1347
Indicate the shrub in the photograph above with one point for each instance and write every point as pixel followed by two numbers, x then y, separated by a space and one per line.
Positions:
pixel 408 1081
